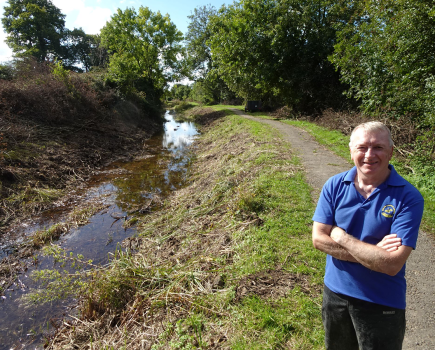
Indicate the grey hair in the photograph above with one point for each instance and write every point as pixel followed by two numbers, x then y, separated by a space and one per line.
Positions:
pixel 372 127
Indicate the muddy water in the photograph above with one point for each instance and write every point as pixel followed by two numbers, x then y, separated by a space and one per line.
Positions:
pixel 124 188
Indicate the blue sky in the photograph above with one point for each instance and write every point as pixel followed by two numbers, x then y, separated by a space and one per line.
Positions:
pixel 92 15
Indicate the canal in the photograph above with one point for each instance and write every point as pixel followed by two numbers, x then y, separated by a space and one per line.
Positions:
pixel 123 189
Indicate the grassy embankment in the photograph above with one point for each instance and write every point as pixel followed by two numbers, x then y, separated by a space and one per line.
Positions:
pixel 227 263
pixel 338 143
pixel 56 128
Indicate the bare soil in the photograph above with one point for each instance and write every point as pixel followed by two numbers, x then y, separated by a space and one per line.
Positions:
pixel 320 164
pixel 43 164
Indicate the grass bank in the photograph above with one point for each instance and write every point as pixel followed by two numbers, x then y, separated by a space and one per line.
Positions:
pixel 227 263
pixel 332 129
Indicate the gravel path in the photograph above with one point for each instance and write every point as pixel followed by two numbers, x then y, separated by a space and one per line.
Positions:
pixel 320 164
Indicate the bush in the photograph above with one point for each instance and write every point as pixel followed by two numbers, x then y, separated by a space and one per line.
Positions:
pixel 48 93
pixel 182 106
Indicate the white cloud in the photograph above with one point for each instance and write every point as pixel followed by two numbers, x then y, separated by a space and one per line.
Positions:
pixel 92 19
pixel 68 6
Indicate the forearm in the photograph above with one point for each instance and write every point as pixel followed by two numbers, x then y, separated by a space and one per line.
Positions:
pixel 371 256
pixel 332 248
pixel 323 242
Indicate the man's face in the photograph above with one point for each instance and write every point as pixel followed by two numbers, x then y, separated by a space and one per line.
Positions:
pixel 371 152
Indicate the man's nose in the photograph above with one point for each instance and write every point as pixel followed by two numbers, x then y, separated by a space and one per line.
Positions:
pixel 370 152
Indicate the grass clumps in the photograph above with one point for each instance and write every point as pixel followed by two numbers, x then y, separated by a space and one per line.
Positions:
pixel 227 262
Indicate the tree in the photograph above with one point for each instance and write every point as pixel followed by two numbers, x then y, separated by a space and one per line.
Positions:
pixel 34 28
pixel 277 51
pixel 180 91
pixel 386 55
pixel 198 34
pixel 209 86
pixel 83 51
pixel 144 48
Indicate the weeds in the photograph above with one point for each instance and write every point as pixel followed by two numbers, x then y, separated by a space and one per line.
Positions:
pixel 247 210
pixel 41 237
pixel 77 217
pixel 182 106
pixel 56 128
pixel 60 284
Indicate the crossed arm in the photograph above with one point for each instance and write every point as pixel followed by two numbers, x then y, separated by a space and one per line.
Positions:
pixel 388 256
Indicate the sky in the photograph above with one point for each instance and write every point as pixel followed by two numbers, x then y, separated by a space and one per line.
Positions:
pixel 92 15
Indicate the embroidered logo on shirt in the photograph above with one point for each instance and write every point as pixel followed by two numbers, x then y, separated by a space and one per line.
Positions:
pixel 388 211
pixel 389 312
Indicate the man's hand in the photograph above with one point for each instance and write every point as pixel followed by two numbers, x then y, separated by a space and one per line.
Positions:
pixel 338 235
pixel 390 243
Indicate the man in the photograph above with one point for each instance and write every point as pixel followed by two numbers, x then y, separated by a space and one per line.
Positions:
pixel 367 221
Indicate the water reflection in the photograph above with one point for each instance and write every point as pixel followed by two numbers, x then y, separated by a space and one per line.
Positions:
pixel 177 136
pixel 126 187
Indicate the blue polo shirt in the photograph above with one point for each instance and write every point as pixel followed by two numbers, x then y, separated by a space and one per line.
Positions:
pixel 394 207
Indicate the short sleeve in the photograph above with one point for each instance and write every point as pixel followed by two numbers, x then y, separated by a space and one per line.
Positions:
pixel 407 222
pixel 324 212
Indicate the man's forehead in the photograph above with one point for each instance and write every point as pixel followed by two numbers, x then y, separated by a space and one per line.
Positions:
pixel 369 134
pixel 362 136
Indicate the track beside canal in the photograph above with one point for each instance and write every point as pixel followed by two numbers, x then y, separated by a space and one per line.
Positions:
pixel 320 164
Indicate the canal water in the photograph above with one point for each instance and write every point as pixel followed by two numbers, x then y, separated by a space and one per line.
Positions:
pixel 124 187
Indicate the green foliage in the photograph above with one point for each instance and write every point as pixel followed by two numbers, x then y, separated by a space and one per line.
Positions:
pixel 180 107
pixel 423 160
pixel 60 73
pixel 202 93
pixel 7 71
pixel 144 48
pixel 198 51
pixel 58 284
pixel 385 53
pixel 34 27
pixel 209 87
pixel 83 49
pixel 180 92
pixel 261 51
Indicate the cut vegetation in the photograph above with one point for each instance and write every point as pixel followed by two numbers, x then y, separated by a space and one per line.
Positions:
pixel 226 263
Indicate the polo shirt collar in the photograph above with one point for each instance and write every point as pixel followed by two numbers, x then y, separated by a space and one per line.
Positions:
pixel 393 180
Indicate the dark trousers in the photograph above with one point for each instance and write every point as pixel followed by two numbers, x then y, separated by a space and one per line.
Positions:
pixel 352 324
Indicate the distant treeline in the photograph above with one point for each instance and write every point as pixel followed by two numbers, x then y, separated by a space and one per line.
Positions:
pixel 304 54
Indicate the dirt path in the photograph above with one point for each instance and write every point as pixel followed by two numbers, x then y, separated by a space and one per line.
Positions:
pixel 320 164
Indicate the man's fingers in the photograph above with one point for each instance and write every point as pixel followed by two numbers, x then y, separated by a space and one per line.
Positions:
pixel 393 249
pixel 390 242
pixel 392 245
